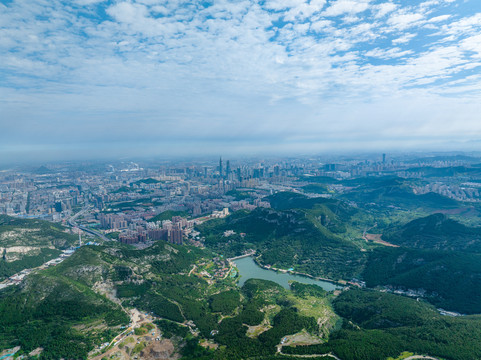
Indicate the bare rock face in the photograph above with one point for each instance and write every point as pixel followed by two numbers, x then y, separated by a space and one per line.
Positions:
pixel 163 350
pixel 88 273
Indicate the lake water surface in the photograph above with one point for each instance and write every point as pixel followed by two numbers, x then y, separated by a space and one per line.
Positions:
pixel 248 269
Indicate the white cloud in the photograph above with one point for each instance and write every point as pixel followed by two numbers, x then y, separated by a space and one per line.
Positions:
pixel 466 25
pixel 439 18
pixel 283 4
pixel 340 7
pixel 321 25
pixel 403 39
pixel 472 43
pixel 387 54
pixel 164 67
pixel 405 21
pixel 384 9
pixel 88 2
pixel 127 12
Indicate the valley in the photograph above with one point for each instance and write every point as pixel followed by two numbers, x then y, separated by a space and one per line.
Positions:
pixel 325 268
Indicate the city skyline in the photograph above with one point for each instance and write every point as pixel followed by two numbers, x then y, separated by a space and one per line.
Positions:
pixel 89 78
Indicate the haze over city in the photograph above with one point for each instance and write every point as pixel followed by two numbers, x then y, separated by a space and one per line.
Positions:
pixel 90 78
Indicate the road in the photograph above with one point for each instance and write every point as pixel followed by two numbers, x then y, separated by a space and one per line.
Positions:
pixel 71 222
pixel 311 356
pixel 94 232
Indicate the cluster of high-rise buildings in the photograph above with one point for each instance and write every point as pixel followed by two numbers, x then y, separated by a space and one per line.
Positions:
pixel 122 197
pixel 173 231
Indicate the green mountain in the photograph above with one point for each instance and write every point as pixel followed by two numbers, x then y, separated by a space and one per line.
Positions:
pixel 167 215
pixel 306 240
pixel 69 309
pixel 316 188
pixel 379 325
pixel 395 192
pixel 290 200
pixel 451 171
pixel 27 243
pixel 33 232
pixel 147 181
pixel 436 231
pixel 450 280
pixel 58 310
pixel 48 311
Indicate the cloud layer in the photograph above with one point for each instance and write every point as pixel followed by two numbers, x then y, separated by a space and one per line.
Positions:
pixel 297 74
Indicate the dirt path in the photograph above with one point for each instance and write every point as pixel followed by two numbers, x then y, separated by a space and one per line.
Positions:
pixel 316 356
pixel 376 238
pixel 137 319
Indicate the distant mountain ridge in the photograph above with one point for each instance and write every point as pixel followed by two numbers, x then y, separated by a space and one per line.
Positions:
pixel 394 191
pixel 438 232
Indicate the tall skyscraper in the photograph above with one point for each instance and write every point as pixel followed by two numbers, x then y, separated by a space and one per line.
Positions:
pixel 383 158
pixel 220 167
pixel 227 168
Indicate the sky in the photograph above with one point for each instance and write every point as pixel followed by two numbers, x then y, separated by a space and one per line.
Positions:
pixel 97 78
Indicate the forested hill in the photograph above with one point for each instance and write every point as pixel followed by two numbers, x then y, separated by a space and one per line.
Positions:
pixel 28 243
pixel 33 232
pixel 291 200
pixel 50 307
pixel 394 192
pixel 436 231
pixel 47 310
pixel 379 326
pixel 307 240
pixel 450 280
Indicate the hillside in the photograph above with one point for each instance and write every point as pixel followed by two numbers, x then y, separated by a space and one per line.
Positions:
pixel 16 232
pixel 26 243
pixel 79 298
pixel 49 310
pixel 304 240
pixel 379 325
pixel 69 309
pixel 167 215
pixel 436 231
pixel 394 192
pixel 450 280
pixel 451 171
pixel 81 293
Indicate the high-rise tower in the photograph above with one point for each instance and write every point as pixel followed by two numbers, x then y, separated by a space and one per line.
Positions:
pixel 220 167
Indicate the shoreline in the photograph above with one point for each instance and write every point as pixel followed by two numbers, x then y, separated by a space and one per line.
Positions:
pixel 334 282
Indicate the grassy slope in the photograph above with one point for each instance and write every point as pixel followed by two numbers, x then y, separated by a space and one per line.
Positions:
pixel 378 325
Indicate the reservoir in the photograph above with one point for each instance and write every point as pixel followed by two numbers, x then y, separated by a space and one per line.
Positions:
pixel 248 269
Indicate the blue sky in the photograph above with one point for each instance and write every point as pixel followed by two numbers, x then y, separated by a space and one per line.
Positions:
pixel 89 77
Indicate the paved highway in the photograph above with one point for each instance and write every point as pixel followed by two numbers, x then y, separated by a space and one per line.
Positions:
pixel 71 222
